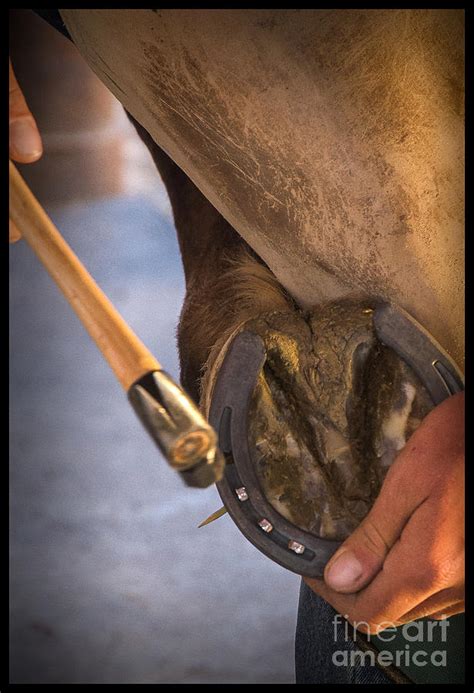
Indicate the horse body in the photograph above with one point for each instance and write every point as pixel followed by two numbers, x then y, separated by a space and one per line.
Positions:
pixel 330 142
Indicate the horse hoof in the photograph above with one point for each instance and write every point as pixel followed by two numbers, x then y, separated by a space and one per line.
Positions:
pixel 313 409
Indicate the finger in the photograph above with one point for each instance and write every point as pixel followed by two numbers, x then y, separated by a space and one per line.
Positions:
pixel 454 610
pixel 440 603
pixel 25 141
pixel 408 483
pixel 14 234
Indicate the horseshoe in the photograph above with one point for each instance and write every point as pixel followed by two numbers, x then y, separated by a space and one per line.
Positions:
pixel 293 548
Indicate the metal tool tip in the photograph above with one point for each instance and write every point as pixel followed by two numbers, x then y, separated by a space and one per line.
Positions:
pixel 214 516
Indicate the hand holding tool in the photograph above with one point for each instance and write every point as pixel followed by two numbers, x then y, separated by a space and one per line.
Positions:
pixel 174 422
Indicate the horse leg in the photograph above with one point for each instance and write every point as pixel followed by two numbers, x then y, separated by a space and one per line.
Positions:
pixel 226 282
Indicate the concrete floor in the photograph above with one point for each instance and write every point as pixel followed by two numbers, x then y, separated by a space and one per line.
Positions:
pixel 111 581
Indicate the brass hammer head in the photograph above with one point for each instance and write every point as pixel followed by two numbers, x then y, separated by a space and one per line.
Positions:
pixel 177 426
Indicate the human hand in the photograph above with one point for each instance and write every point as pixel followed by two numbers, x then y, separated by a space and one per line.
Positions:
pixel 406 559
pixel 25 140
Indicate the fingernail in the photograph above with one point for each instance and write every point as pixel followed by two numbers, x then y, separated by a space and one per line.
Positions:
pixel 344 572
pixel 14 234
pixel 25 139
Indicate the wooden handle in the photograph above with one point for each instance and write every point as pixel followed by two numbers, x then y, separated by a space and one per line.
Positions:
pixel 124 352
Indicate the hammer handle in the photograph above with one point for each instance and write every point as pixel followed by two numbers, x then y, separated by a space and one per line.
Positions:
pixel 124 352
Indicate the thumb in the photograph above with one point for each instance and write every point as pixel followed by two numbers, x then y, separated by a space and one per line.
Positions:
pixel 14 233
pixel 25 140
pixel 406 486
pixel 362 555
pixel 359 559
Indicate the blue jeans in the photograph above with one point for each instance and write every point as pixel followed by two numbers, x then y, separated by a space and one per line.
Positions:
pixel 318 639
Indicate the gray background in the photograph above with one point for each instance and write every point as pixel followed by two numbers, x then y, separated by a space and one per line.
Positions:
pixel 111 581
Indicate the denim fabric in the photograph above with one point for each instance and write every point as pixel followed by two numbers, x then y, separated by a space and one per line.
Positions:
pixel 317 641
